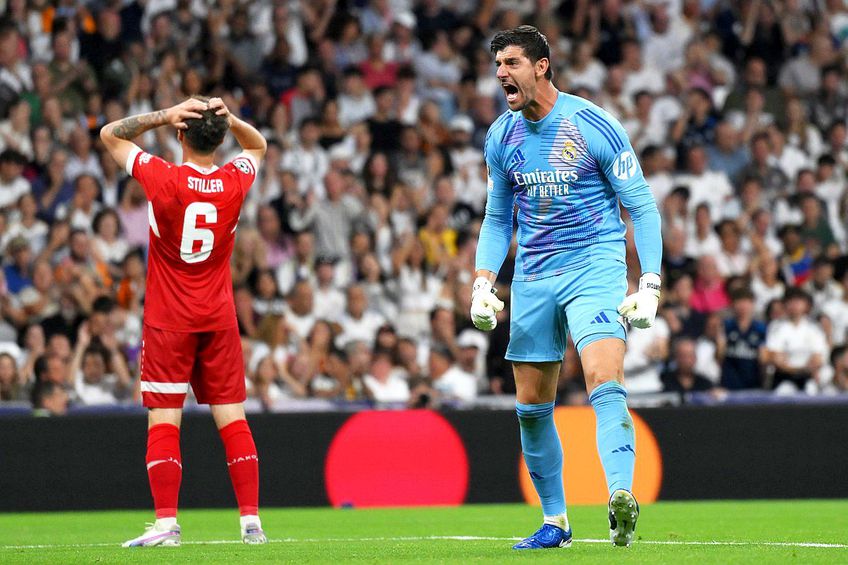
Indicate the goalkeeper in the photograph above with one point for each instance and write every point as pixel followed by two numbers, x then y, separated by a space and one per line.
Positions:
pixel 565 164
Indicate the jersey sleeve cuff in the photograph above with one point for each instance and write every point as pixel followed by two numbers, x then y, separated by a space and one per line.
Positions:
pixel 250 158
pixel 131 160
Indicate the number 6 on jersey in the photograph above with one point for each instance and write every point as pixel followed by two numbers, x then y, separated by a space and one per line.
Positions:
pixel 192 233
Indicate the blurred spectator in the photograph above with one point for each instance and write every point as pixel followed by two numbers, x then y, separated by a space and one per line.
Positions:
pixel 797 347
pixel 742 345
pixel 12 184
pixel 766 283
pixel 822 287
pixel 12 383
pixel 731 260
pixel 647 350
pixel 682 377
pixel 299 309
pixel 355 101
pixel 448 380
pixel 709 294
pixel 384 383
pixel 358 322
pixel 839 362
pixel 50 399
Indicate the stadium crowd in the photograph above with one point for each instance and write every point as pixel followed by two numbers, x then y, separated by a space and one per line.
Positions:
pixel 355 249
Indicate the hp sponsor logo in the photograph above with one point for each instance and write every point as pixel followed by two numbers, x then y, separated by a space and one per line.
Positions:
pixel 625 166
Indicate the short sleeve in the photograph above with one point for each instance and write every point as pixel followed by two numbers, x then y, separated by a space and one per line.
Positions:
pixel 244 166
pixel 151 171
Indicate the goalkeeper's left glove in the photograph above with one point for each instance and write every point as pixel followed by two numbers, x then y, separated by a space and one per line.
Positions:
pixel 640 308
pixel 484 305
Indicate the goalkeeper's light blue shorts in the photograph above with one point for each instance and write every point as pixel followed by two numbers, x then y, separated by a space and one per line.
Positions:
pixel 582 301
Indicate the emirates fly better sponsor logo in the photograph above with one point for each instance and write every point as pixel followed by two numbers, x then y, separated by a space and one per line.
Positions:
pixel 544 184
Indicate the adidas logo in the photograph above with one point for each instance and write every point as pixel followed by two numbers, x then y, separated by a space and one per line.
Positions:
pixel 600 319
pixel 518 158
pixel 624 449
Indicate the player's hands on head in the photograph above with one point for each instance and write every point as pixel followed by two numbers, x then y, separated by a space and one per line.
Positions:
pixel 484 305
pixel 220 108
pixel 186 110
pixel 640 308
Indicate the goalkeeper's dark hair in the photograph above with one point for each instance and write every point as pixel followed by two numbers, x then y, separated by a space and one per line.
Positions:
pixel 205 134
pixel 530 39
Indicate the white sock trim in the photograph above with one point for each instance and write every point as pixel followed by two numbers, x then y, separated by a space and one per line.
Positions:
pixel 165 523
pixel 249 519
pixel 560 521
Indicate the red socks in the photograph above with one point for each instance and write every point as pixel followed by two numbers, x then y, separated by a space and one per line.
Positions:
pixel 164 468
pixel 243 465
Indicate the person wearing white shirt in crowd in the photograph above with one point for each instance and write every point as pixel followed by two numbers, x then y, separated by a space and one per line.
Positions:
pixel 108 244
pixel 643 359
pixel 822 287
pixel 466 160
pixel 300 267
pixel 26 225
pixel 641 75
pixel 384 382
pixel 82 160
pixel 307 159
pixel 358 322
pixel 93 384
pixel 731 259
pixel 667 40
pixel 655 166
pixel 15 131
pixel 299 309
pixel 472 346
pixel 329 300
pixel 705 349
pixel 797 347
pixel 82 209
pixel 836 311
pixel 585 71
pixel 645 127
pixel 703 239
pixel 451 382
pixel 712 187
pixel 356 104
pixel 765 282
pixel 12 184
pixel 788 158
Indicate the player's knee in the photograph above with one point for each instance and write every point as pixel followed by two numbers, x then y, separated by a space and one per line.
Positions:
pixel 595 379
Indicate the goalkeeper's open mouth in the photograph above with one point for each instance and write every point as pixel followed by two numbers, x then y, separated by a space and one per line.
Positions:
pixel 511 92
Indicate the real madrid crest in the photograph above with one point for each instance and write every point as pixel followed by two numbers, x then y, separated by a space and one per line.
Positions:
pixel 569 150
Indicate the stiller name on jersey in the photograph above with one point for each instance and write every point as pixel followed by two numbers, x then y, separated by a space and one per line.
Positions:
pixel 544 184
pixel 205 185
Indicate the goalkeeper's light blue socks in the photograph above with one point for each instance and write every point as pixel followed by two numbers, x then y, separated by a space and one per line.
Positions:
pixel 616 436
pixel 543 455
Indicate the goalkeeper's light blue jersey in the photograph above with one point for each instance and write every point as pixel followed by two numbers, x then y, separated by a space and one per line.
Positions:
pixel 566 174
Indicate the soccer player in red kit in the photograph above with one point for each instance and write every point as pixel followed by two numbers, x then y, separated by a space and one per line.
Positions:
pixel 190 331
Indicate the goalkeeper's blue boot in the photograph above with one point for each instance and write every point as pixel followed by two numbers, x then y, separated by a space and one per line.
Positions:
pixel 546 537
pixel 623 513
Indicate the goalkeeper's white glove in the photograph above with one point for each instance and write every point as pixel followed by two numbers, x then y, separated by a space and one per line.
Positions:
pixel 640 308
pixel 484 305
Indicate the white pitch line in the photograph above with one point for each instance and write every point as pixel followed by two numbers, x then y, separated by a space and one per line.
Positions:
pixel 452 538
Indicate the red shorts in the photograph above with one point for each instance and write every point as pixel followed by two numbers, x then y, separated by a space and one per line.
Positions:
pixel 210 361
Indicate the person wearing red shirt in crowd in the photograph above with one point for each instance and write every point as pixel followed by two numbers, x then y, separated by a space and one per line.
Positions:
pixel 190 331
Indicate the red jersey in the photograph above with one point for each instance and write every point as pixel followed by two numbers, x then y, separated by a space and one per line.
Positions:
pixel 193 214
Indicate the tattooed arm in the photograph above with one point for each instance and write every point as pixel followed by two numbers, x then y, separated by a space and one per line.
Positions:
pixel 117 136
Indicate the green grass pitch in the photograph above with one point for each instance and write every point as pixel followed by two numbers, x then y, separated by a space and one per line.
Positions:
pixel 669 532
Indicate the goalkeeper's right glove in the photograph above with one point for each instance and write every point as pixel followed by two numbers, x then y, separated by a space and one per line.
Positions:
pixel 484 305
